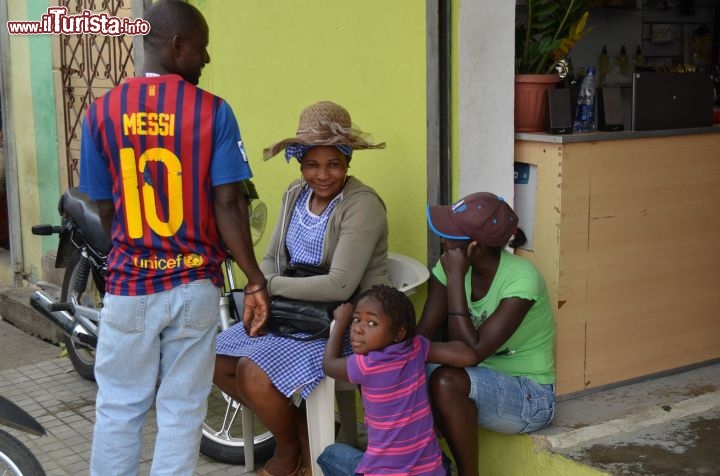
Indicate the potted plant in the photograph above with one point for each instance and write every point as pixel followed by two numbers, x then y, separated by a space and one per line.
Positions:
pixel 545 33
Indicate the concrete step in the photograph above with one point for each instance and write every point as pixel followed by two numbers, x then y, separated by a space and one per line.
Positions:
pixel 666 425
pixel 15 308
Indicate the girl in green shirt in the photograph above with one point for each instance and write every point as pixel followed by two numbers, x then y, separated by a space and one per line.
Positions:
pixel 497 303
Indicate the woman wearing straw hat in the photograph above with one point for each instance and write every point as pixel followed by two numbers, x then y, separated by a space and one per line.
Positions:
pixel 330 220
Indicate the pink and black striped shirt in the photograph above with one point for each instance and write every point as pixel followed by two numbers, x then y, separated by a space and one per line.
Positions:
pixel 401 438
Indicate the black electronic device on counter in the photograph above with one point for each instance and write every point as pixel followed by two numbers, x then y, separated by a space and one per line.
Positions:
pixel 610 109
pixel 560 110
pixel 664 100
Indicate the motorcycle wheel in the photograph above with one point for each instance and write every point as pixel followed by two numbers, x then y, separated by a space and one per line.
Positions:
pixel 82 357
pixel 16 459
pixel 222 432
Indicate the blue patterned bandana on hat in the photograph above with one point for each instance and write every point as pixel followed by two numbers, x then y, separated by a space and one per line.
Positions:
pixel 299 150
pixel 324 123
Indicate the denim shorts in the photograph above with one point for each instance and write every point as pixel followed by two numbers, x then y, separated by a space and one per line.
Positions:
pixel 508 404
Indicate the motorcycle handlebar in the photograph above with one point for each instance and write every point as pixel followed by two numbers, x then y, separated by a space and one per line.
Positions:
pixel 46 229
pixel 15 417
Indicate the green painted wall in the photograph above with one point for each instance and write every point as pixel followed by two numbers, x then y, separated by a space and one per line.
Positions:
pixel 271 59
pixel 33 114
pixel 45 125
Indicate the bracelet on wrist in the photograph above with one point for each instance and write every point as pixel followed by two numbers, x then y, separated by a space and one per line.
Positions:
pixel 260 288
pixel 458 314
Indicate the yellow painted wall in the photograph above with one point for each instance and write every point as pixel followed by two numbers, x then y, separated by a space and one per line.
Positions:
pixel 513 455
pixel 271 59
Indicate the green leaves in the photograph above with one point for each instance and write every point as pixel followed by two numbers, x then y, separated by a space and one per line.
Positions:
pixel 549 29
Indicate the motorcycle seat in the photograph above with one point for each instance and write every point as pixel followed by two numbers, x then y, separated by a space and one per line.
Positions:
pixel 85 213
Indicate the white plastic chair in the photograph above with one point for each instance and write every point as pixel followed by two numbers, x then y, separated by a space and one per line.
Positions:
pixel 406 274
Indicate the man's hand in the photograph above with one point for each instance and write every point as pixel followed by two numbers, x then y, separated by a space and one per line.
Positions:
pixel 231 211
pixel 256 309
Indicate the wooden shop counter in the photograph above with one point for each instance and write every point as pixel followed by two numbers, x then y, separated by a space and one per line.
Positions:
pixel 626 228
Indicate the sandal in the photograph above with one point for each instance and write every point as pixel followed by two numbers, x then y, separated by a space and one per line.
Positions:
pixel 298 471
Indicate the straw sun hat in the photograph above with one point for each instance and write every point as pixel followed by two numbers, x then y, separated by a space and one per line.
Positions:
pixel 325 123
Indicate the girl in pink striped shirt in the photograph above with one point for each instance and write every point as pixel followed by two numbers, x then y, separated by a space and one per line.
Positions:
pixel 389 365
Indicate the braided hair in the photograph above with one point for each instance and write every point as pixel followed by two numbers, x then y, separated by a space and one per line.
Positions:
pixel 518 239
pixel 396 305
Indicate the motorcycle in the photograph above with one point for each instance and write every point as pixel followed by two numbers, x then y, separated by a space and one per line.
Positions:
pixel 82 250
pixel 15 458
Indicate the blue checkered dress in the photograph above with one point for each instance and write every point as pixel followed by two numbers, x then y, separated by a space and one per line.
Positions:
pixel 306 231
pixel 294 367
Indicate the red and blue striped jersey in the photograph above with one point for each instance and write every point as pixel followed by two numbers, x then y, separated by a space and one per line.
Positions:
pixel 157 146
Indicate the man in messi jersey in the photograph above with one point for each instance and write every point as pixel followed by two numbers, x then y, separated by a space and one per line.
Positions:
pixel 164 162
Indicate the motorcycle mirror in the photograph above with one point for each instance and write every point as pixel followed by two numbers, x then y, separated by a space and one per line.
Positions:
pixel 258 220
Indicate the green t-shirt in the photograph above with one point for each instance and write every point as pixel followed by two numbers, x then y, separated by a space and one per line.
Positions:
pixel 530 350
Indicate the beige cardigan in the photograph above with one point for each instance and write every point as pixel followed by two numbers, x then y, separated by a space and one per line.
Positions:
pixel 355 247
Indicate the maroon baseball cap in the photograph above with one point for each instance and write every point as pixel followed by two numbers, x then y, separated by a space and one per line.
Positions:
pixel 483 217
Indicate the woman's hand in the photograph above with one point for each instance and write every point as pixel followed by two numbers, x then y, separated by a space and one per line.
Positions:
pixel 455 260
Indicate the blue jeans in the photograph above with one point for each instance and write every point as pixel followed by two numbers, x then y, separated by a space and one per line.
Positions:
pixel 508 404
pixel 168 335
pixel 339 459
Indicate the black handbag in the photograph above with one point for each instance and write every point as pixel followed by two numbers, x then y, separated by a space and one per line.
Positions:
pixel 300 320
pixel 304 271
pixel 295 318
pixel 292 317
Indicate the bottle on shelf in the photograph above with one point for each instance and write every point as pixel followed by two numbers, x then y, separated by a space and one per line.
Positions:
pixel 603 65
pixel 585 109
pixel 638 59
pixel 622 61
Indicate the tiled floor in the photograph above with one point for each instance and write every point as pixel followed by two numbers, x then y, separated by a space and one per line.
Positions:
pixel 64 404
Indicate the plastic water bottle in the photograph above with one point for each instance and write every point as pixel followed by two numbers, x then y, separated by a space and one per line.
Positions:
pixel 585 111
